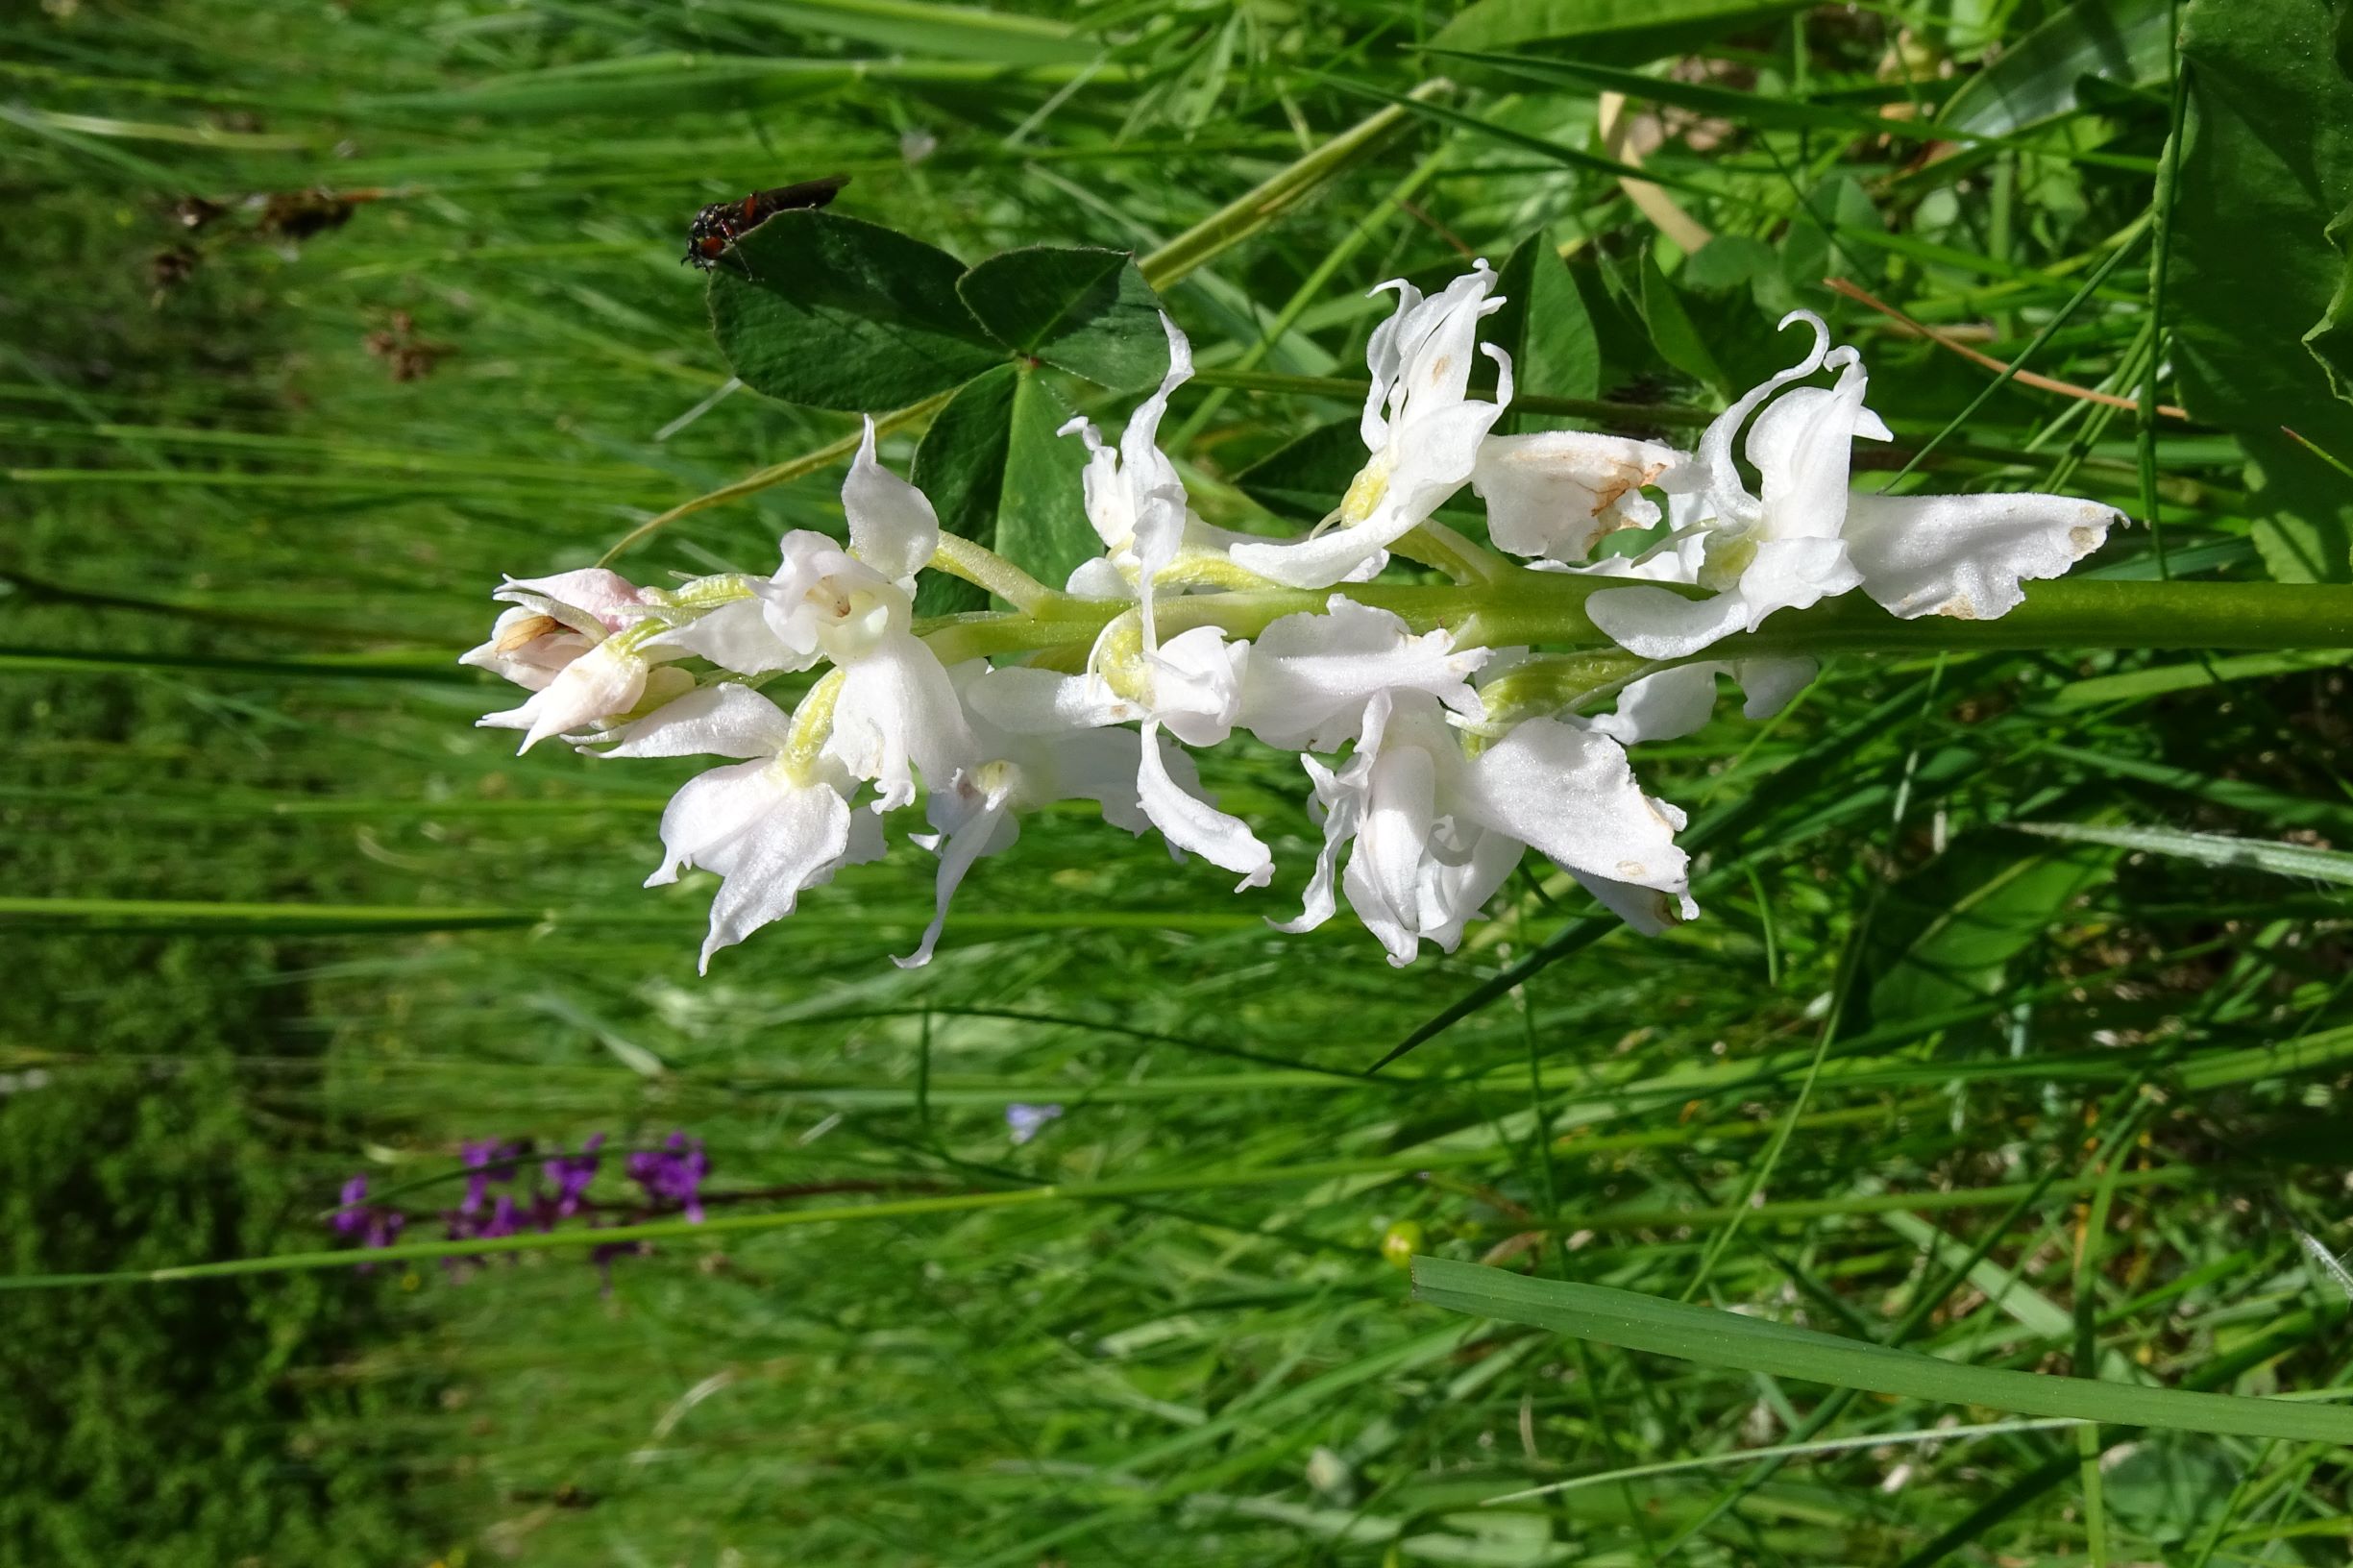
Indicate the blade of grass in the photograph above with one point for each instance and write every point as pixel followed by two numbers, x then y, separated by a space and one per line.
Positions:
pixel 1735 1343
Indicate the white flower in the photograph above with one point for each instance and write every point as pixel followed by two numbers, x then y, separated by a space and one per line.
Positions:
pixel 572 640
pixel 770 826
pixel 1420 427
pixel 1679 700
pixel 1434 833
pixel 1307 678
pixel 1134 500
pixel 897 714
pixel 1805 537
pixel 1043 751
pixel 1556 493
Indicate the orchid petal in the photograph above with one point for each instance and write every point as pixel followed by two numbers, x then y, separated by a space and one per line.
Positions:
pixel 1332 556
pixel 1464 889
pixel 1556 493
pixel 1190 823
pixel 1966 555
pixel 892 527
pixel 1772 684
pixel 725 720
pixel 1802 446
pixel 1393 847
pixel 1197 681
pixel 708 810
pixel 991 830
pixel 739 636
pixel 1384 357
pixel 1796 574
pixel 1657 624
pixel 1434 344
pixel 1666 706
pixel 797 842
pixel 1647 910
pixel 1310 675
pixel 1342 794
pixel 1569 794
pixel 1729 498
pixel 597 684
pixel 591 600
pixel 1028 702
pixel 897 715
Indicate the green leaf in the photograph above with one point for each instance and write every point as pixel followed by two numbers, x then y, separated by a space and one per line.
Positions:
pixel 2331 339
pixel 840 313
pixel 997 473
pixel 1304 478
pixel 2035 79
pixel 1755 110
pixel 2169 1489
pixel 945 31
pixel 1041 522
pixel 1088 311
pixel 1949 931
pixel 960 465
pixel 1622 32
pixel 2267 165
pixel 1740 1343
pixel 1673 333
pixel 1546 329
pixel 2296 860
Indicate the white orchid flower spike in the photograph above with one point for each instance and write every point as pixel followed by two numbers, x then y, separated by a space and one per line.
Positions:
pixel 1805 537
pixel 1421 428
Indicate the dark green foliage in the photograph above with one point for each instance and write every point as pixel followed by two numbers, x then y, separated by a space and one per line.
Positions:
pixel 837 312
pixel 960 465
pixel 1625 30
pixel 1087 311
pixel 2038 77
pixel 1544 327
pixel 192 1423
pixel 2267 163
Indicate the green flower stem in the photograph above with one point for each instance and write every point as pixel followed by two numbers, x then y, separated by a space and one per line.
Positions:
pixel 1548 610
pixel 984 568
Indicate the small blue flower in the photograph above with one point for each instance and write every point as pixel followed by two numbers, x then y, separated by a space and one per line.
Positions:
pixel 1026 1121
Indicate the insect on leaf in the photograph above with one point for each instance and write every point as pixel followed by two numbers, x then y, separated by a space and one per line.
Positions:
pixel 831 311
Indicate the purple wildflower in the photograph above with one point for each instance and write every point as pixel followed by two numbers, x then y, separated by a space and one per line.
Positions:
pixel 490 1160
pixel 355 1216
pixel 570 1174
pixel 672 1174
pixel 352 1216
pixel 1025 1121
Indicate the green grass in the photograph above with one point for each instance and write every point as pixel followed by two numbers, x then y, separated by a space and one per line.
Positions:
pixel 2047 1106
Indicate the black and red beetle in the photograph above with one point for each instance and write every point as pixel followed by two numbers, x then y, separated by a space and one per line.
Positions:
pixel 719 227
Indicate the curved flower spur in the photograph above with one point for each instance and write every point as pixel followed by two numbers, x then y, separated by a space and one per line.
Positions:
pixel 1436 758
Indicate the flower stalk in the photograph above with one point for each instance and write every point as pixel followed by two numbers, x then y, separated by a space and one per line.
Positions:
pixel 1548 609
pixel 1447 730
